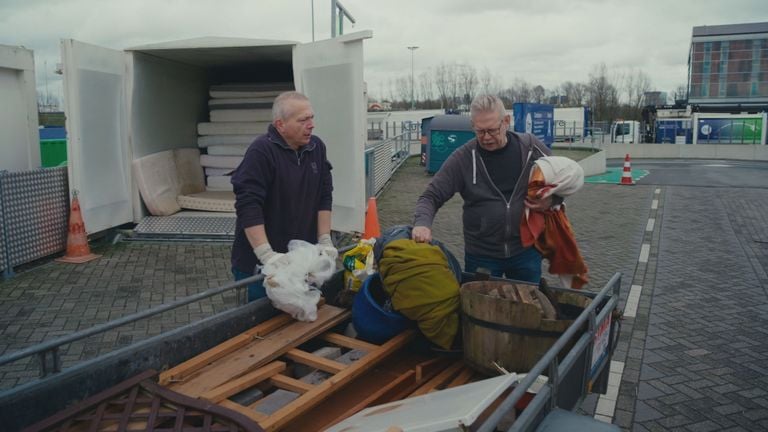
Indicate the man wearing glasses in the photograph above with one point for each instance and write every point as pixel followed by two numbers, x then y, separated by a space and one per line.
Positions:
pixel 491 173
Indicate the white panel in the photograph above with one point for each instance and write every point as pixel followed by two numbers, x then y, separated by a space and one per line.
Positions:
pixel 97 149
pixel 330 73
pixel 19 137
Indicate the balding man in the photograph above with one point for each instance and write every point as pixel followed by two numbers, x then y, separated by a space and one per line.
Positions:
pixel 283 191
pixel 490 172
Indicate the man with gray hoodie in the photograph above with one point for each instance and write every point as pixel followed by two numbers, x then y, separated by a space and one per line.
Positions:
pixel 491 173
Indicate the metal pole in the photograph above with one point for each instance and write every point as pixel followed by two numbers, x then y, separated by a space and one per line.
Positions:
pixel 413 103
pixel 333 18
pixel 313 19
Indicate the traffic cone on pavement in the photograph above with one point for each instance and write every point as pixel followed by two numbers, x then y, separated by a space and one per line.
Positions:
pixel 371 220
pixel 626 175
pixel 78 250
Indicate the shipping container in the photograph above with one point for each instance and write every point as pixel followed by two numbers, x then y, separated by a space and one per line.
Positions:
pixel 536 119
pixel 123 105
pixel 718 128
pixel 571 124
pixel 19 137
pixel 673 131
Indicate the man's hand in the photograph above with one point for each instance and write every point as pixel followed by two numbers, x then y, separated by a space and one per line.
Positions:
pixel 421 234
pixel 325 245
pixel 539 204
pixel 265 254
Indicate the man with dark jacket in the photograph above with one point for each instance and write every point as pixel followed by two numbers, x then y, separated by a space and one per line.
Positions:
pixel 491 173
pixel 282 190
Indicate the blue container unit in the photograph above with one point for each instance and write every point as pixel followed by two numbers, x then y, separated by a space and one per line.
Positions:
pixel 446 134
pixel 536 119
pixel 673 131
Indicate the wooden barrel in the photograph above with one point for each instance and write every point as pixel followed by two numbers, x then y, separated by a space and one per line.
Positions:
pixel 510 324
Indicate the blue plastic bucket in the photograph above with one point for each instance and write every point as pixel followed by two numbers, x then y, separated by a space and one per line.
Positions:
pixel 371 321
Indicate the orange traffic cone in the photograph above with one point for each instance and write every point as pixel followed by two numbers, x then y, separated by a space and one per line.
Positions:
pixel 372 220
pixel 626 175
pixel 78 250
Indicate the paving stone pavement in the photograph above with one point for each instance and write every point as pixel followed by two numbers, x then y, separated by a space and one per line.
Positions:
pixel 695 354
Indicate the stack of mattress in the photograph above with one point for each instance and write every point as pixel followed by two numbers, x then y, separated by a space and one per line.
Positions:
pixel 238 113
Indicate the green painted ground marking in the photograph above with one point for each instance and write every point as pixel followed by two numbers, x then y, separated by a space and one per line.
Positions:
pixel 613 175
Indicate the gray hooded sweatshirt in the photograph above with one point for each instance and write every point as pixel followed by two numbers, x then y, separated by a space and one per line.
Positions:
pixel 491 222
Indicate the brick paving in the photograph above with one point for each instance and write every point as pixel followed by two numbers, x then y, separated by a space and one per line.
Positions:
pixel 695 354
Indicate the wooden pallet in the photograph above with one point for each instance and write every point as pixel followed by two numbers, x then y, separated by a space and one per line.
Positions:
pixel 263 357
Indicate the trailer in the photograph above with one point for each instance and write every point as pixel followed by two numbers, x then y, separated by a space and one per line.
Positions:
pixel 19 139
pixel 536 119
pixel 148 383
pixel 572 123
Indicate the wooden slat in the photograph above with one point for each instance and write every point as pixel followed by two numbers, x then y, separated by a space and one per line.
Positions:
pixel 244 382
pixel 260 352
pixel 292 384
pixel 382 395
pixel 334 383
pixel 253 415
pixel 183 370
pixel 315 361
pixel 439 380
pixel 348 342
pixel 462 378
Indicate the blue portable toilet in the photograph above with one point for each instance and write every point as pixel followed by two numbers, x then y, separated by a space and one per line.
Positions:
pixel 536 119
pixel 446 134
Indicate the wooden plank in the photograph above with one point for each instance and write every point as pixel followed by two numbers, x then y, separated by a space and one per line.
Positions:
pixel 348 342
pixel 462 378
pixel 292 384
pixel 260 352
pixel 253 415
pixel 383 395
pixel 315 361
pixel 334 383
pixel 439 380
pixel 246 381
pixel 184 370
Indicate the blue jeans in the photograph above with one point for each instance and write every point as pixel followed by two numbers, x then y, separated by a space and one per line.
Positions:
pixel 255 290
pixel 525 266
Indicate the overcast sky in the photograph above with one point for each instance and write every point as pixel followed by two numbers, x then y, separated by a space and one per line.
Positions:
pixel 540 41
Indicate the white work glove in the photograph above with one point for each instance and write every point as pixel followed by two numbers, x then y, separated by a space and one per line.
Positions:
pixel 326 247
pixel 266 255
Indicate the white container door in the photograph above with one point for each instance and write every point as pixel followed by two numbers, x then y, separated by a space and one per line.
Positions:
pixel 97 150
pixel 330 73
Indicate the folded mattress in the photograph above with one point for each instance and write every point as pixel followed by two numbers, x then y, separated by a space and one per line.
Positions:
pixel 241 103
pixel 241 115
pixel 217 201
pixel 227 150
pixel 218 171
pixel 219 183
pixel 249 90
pixel 164 175
pixel 230 162
pixel 232 128
pixel 211 140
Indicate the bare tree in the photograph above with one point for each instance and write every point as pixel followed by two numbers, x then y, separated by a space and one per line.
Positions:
pixel 426 89
pixel 467 82
pixel 680 92
pixel 403 85
pixel 636 85
pixel 490 83
pixel 574 92
pixel 523 91
pixel 538 93
pixel 602 94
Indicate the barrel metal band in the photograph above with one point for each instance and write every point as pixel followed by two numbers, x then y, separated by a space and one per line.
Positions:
pixel 511 329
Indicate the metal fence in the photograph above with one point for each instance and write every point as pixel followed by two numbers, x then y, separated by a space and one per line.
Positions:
pixel 384 130
pixel 34 208
pixel 383 158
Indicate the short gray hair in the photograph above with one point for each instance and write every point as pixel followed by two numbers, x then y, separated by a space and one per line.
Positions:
pixel 280 104
pixel 486 103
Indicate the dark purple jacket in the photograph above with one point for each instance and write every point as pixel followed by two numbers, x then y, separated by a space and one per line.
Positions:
pixel 282 189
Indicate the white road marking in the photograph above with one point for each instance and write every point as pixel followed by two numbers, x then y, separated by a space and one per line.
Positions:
pixel 654 204
pixel 633 300
pixel 645 251
pixel 606 404
pixel 651 223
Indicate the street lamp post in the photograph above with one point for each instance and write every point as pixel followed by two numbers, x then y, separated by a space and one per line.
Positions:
pixel 413 103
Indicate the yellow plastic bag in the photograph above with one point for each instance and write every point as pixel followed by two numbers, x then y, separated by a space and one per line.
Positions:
pixel 358 264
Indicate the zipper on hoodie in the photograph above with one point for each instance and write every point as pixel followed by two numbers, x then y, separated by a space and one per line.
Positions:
pixel 507 203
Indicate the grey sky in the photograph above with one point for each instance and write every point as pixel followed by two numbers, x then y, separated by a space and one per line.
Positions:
pixel 541 41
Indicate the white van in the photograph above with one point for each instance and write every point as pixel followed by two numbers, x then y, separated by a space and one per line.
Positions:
pixel 625 131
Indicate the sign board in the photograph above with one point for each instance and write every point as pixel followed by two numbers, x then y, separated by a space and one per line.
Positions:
pixel 600 344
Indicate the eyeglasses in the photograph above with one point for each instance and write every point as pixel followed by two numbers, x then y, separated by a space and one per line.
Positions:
pixel 492 132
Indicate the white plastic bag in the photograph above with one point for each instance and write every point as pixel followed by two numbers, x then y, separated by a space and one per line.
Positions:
pixel 292 281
